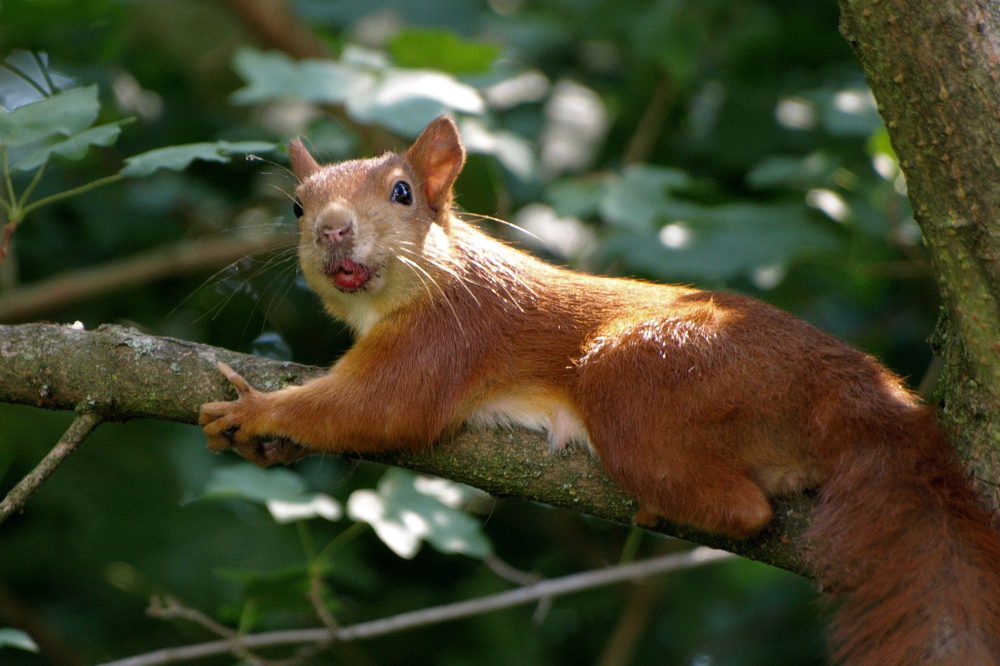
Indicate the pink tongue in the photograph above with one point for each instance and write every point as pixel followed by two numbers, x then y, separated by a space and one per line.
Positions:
pixel 351 275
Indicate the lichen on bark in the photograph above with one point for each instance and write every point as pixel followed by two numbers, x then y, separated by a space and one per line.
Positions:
pixel 932 67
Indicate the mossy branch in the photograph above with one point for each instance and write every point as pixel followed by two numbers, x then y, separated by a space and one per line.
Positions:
pixel 127 375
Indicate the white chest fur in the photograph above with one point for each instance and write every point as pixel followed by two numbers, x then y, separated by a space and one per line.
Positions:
pixel 535 409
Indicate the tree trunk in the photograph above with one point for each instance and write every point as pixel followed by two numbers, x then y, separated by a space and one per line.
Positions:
pixel 933 68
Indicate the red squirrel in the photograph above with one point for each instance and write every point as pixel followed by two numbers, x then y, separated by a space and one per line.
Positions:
pixel 701 404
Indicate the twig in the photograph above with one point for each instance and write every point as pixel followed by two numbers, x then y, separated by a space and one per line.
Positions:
pixel 518 577
pixel 509 573
pixel 76 433
pixel 191 256
pixel 66 194
pixel 8 231
pixel 428 616
pixel 169 607
pixel 16 613
pixel 640 603
pixel 650 124
pixel 316 599
pixel 277 26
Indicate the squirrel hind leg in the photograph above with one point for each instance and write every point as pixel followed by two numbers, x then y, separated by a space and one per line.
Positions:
pixel 712 496
pixel 739 511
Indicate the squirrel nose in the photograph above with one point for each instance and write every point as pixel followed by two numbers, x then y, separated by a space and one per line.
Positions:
pixel 335 225
pixel 336 232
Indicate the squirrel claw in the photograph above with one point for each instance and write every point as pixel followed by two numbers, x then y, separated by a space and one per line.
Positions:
pixel 237 424
pixel 241 385
pixel 273 452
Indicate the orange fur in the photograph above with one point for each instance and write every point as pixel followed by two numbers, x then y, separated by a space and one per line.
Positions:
pixel 701 404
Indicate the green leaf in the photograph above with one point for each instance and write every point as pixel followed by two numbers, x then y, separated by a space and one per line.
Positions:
pixel 851 111
pixel 251 483
pixel 26 77
pixel 408 509
pixel 879 142
pixel 725 242
pixel 577 197
pixel 178 158
pixel 316 505
pixel 270 344
pixel 640 195
pixel 73 148
pixel 794 172
pixel 18 639
pixel 440 50
pixel 66 113
pixel 406 100
pixel 401 100
pixel 274 75
pixel 515 153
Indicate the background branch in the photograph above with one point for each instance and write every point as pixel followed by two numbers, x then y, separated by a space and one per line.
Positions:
pixel 426 616
pixel 142 376
pixel 22 492
pixel 15 612
pixel 274 23
pixel 192 256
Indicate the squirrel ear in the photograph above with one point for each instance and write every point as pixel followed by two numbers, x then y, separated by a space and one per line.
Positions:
pixel 303 163
pixel 437 156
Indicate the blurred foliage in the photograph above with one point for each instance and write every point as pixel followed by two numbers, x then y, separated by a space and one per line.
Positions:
pixel 728 143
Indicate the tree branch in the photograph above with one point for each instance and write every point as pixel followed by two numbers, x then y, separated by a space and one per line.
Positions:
pixel 437 614
pixel 22 492
pixel 142 376
pixel 186 257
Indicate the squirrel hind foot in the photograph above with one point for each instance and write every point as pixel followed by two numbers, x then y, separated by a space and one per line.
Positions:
pixel 644 517
pixel 738 515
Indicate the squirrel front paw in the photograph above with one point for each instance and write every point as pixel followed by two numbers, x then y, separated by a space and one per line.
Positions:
pixel 240 425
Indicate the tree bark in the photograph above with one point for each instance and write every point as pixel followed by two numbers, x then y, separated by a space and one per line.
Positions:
pixel 933 68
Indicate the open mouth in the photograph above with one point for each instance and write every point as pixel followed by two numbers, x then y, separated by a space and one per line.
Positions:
pixel 349 275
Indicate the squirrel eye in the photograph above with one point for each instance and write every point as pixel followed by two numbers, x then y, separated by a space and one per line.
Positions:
pixel 297 207
pixel 401 193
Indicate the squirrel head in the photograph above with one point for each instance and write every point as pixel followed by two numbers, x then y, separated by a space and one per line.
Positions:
pixel 370 230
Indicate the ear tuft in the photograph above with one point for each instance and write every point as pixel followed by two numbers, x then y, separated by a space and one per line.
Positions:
pixel 303 163
pixel 437 156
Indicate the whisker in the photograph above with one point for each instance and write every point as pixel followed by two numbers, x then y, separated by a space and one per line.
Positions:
pixel 462 215
pixel 494 270
pixel 234 267
pixel 416 267
pixel 460 279
pixel 247 273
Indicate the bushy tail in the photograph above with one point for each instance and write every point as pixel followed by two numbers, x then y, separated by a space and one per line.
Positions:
pixel 900 534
